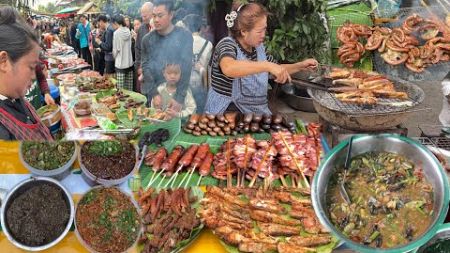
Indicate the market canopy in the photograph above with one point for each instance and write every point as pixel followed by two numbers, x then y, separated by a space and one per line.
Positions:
pixel 89 8
pixel 68 10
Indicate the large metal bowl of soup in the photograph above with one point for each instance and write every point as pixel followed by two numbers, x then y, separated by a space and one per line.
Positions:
pixel 418 182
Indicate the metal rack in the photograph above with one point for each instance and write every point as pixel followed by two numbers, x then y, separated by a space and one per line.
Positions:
pixel 438 142
pixel 336 134
pixel 384 106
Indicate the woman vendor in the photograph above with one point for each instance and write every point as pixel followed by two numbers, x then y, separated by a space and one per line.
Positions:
pixel 240 66
pixel 19 56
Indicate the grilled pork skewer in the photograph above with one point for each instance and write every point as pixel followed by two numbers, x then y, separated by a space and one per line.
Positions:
pixel 155 162
pixel 184 161
pixel 169 164
pixel 202 151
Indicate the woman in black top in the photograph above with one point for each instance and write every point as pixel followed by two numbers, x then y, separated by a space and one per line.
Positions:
pixel 241 66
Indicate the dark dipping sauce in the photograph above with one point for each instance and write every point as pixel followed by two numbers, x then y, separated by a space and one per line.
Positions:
pixel 107 220
pixel 39 215
pixel 108 159
pixel 391 201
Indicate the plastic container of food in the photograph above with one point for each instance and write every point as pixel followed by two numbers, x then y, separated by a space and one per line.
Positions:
pixel 58 173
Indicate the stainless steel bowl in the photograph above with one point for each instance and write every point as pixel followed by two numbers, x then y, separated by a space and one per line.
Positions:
pixel 19 189
pixel 130 197
pixel 297 98
pixel 91 179
pixel 442 234
pixel 378 143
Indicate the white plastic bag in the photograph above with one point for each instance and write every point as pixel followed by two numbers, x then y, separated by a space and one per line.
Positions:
pixel 444 117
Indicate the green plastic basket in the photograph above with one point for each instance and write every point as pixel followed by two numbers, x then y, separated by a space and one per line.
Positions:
pixel 356 13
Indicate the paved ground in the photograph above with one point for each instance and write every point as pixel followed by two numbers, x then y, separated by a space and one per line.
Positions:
pixel 423 119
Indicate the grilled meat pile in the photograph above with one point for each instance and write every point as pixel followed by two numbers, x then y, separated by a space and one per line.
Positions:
pixel 196 157
pixel 168 218
pixel 363 87
pixel 285 154
pixel 236 123
pixel 259 221
pixel 400 45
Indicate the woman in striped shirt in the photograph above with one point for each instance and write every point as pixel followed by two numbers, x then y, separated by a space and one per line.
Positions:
pixel 240 66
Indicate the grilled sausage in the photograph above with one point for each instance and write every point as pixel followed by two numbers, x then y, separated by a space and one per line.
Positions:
pixel 188 156
pixel 257 118
pixel 206 165
pixel 220 117
pixel 169 164
pixel 248 118
pixel 194 119
pixel 160 156
pixel 203 149
pixel 210 116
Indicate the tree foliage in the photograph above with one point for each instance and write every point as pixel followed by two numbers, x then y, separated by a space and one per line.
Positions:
pixel 296 29
pixel 126 7
pixel 49 8
pixel 20 5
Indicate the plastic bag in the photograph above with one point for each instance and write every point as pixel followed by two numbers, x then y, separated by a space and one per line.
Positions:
pixel 106 124
pixel 444 117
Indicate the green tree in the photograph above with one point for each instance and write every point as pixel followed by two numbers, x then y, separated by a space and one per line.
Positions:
pixel 126 7
pixel 49 8
pixel 20 5
pixel 297 29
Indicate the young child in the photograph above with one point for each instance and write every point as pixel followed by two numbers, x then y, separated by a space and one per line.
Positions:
pixel 172 74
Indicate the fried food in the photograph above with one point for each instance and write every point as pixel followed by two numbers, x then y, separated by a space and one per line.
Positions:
pixel 399 45
pixel 270 229
pixel 366 89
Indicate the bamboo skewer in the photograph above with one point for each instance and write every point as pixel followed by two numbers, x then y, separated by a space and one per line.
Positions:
pixel 228 155
pixel 156 177
pixel 252 182
pixel 299 168
pixel 443 6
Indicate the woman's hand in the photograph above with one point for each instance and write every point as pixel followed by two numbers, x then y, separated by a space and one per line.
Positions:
pixel 157 101
pixel 309 64
pixel 281 74
pixel 48 99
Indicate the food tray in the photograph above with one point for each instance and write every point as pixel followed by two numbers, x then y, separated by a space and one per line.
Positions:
pixel 100 109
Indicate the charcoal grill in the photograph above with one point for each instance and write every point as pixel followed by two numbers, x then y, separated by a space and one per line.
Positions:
pixel 380 116
pixel 435 72
pixel 438 142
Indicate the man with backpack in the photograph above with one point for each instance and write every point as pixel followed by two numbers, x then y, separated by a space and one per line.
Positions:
pixel 202 50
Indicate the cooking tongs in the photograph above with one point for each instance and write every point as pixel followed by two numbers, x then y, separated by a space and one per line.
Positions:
pixel 317 86
pixel 309 84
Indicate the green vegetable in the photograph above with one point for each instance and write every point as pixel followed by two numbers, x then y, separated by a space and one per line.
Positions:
pixel 105 148
pixel 47 155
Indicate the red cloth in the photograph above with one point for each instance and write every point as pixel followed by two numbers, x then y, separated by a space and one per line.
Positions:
pixel 23 131
pixel 42 80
